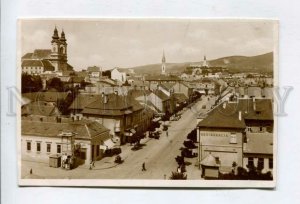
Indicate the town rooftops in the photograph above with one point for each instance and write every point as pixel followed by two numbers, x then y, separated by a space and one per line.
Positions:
pixel 233 115
pixel 179 97
pixel 161 95
pixel 39 108
pixel 38 63
pixel 112 105
pixel 38 54
pixel 82 100
pixel 167 86
pixel 162 78
pixel 93 69
pixel 83 129
pixel 48 96
pixel 221 117
pixel 259 143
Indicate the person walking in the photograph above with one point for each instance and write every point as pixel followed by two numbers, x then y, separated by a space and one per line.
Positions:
pixel 144 167
pixel 167 133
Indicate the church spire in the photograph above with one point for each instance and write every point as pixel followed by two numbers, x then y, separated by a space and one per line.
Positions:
pixel 55 36
pixel 163 65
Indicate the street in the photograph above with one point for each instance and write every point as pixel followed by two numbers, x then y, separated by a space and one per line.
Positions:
pixel 158 155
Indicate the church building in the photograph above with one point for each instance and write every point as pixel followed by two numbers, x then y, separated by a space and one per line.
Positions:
pixel 48 60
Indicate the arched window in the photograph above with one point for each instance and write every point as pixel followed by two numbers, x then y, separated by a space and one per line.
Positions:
pixel 62 50
pixel 54 49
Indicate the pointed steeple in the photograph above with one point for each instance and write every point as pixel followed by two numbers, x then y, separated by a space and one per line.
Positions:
pixel 163 65
pixel 63 37
pixel 55 36
pixel 163 57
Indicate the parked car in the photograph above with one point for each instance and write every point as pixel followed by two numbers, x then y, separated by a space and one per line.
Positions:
pixel 189 144
pixel 154 135
pixel 113 151
pixel 185 152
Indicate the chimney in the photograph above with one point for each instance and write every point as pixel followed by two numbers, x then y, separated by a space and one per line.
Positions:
pixel 240 115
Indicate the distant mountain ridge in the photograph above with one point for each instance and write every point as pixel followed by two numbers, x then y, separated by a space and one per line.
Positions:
pixel 259 63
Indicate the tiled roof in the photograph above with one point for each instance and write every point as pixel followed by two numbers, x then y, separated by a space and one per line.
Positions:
pixel 82 100
pixel 38 63
pixel 223 118
pixel 32 63
pixel 27 56
pixel 116 105
pixel 39 108
pixel 259 143
pixel 47 96
pixel 179 97
pixel 228 117
pixel 47 65
pixel 161 95
pixel 167 86
pixel 41 54
pixel 162 78
pixel 83 129
pixel 263 109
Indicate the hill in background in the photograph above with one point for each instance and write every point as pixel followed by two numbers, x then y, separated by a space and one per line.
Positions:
pixel 260 63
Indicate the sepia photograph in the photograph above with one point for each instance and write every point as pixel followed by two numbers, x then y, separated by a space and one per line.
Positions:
pixel 147 102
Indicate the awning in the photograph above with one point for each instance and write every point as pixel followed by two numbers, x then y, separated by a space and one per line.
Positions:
pixel 108 144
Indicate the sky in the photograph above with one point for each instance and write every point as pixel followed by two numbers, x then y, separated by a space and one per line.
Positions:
pixel 110 43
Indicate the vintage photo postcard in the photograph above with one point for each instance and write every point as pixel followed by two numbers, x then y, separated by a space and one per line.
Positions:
pixel 147 102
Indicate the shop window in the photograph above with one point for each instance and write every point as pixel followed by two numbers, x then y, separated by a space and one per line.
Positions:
pixel 28 146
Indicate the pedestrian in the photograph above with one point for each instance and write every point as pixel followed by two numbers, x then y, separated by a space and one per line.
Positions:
pixel 91 164
pixel 167 133
pixel 30 171
pixel 144 167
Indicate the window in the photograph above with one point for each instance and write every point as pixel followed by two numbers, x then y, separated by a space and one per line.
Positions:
pixel 250 162
pixel 58 149
pixel 270 163
pixel 232 138
pixel 48 148
pixel 260 163
pixel 28 146
pixel 38 147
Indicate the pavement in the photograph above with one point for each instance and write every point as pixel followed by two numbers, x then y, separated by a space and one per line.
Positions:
pixel 158 155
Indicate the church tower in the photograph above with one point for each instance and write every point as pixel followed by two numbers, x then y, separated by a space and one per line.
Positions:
pixel 63 51
pixel 55 55
pixel 163 64
pixel 59 51
pixel 205 62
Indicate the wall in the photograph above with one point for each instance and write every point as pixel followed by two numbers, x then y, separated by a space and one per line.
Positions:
pixel 217 142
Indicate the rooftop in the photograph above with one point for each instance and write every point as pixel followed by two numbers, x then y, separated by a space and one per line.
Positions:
pixel 83 129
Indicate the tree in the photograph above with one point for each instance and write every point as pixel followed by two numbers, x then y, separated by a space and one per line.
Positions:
pixel 56 84
pixel 31 83
pixel 178 176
